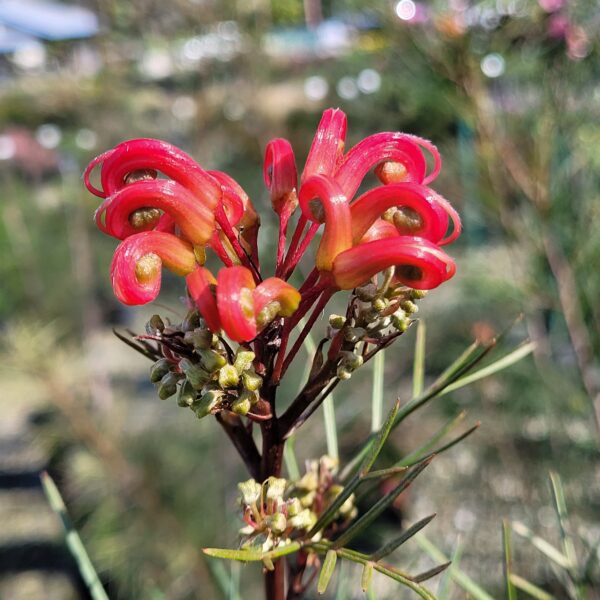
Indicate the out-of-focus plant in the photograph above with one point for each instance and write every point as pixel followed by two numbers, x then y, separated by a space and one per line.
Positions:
pixel 383 247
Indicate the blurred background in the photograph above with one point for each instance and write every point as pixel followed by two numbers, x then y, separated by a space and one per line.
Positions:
pixel 509 90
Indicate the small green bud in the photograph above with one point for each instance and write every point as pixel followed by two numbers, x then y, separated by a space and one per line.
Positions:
pixel 251 381
pixel 305 519
pixel 351 361
pixel 159 369
pixel 197 376
pixel 268 313
pixel 308 499
pixel 191 321
pixel 241 406
pixel 228 376
pixel 293 507
pixel 201 339
pixel 250 491
pixel 379 305
pixel 155 325
pixel 277 523
pixel 187 394
pixel 208 401
pixel 400 321
pixel 367 292
pixel 243 360
pixel 212 361
pixel 355 334
pixel 167 386
pixel 409 307
pixel 418 294
pixel 308 482
pixel 343 373
pixel 249 395
pixel 337 321
pixel 276 487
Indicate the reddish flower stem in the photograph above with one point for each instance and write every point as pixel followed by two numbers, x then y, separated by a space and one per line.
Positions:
pixel 295 241
pixel 284 219
pixel 227 229
pixel 217 245
pixel 310 234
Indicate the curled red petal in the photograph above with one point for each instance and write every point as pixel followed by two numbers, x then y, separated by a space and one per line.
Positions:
pixel 272 290
pixel 279 173
pixel 137 264
pixel 88 172
pixel 200 284
pixel 327 148
pixel 420 264
pixel 235 303
pixel 325 195
pixel 422 200
pixel 454 217
pixel 195 220
pixel 141 154
pixel 234 198
pixel 376 149
pixel 379 230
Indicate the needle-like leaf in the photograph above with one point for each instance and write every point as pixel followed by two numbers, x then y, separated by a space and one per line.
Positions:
pixel 541 544
pixel 529 588
pixel 326 571
pixel 406 535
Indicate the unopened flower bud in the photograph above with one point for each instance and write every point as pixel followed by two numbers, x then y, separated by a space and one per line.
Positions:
pixel 197 376
pixel 400 321
pixel 159 369
pixel 309 481
pixel 409 307
pixel 187 394
pixel 343 373
pixel 211 360
pixel 241 406
pixel 191 321
pixel 277 523
pixel 329 463
pixel 355 334
pixel 201 339
pixel 305 519
pixel 293 507
pixel 243 360
pixel 367 292
pixel 167 386
pixel 308 499
pixel 251 381
pixel 418 294
pixel 276 487
pixel 228 376
pixel 337 321
pixel 250 491
pixel 155 325
pixel 208 401
pixel 351 361
pixel 379 304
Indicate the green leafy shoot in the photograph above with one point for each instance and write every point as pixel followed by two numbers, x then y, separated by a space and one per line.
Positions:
pixel 529 588
pixel 511 592
pixel 326 571
pixel 73 541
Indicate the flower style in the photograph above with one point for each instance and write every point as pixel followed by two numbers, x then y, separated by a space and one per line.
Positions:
pixel 396 228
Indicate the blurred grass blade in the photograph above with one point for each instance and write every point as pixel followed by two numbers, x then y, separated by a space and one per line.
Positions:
pixel 377 391
pixel 529 588
pixel 366 519
pixel 289 457
pixel 395 543
pixel 328 403
pixel 441 449
pixel 431 572
pixel 560 505
pixel 502 363
pixel 326 571
pixel 445 583
pixel 73 541
pixel 435 438
pixel 223 579
pixel 541 544
pixel 511 592
pixel 419 362
pixel 461 578
pixel 341 593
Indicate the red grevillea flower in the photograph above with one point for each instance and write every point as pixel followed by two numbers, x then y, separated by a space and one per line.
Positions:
pixel 402 223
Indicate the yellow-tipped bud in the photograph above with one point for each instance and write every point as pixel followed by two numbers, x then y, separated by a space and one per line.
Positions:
pixel 243 360
pixel 228 376
pixel 250 491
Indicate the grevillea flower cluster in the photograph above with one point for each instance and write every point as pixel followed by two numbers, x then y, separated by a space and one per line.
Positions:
pixel 175 220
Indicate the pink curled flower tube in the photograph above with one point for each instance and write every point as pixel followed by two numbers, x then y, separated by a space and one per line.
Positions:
pixel 322 201
pixel 419 264
pixel 137 264
pixel 428 212
pixel 274 297
pixel 201 285
pixel 379 230
pixel 403 151
pixel 280 174
pixel 327 149
pixel 194 219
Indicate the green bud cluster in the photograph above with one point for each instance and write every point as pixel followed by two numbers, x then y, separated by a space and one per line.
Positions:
pixel 278 511
pixel 200 371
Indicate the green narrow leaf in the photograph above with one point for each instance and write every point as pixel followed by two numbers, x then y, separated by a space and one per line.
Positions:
pixel 328 403
pixel 431 572
pixel 341 593
pixel 326 571
pixel 502 363
pixel 377 391
pixel 529 588
pixel 542 545
pixel 419 362
pixel 72 539
pixel 511 592
pixel 289 457
pixel 560 505
pixel 445 583
pixel 245 555
pixel 380 473
pixel 366 519
pixel 395 543
pixel 461 578
pixel 380 439
pixel 366 577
